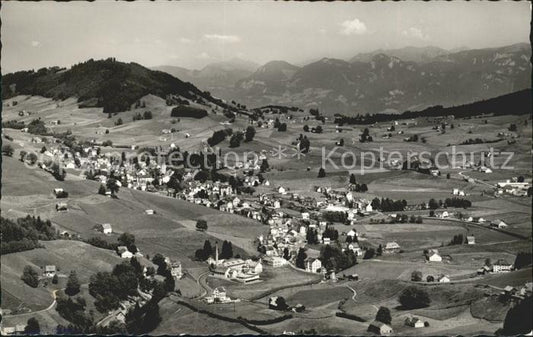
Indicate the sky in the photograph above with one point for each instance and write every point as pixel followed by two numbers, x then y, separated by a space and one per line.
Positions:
pixel 193 34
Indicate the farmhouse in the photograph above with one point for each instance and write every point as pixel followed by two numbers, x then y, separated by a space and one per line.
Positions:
pixel 443 279
pixel 414 322
pixel 501 266
pixel 61 206
pixel 124 252
pixel 471 239
pixel 274 261
pixel 49 271
pixel 149 211
pixel 391 248
pixel 433 256
pixel 106 228
pixel 175 269
pixel 379 328
pixel 313 265
pixel 498 224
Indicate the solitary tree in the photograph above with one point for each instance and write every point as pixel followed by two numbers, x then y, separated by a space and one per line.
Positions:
pixel 321 173
pixel 300 258
pixel 32 327
pixel 383 315
pixel 250 133
pixel 73 284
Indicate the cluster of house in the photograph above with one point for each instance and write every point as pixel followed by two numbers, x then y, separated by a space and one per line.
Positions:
pixel 220 295
pixel 244 271
pixel 513 187
pixel 500 266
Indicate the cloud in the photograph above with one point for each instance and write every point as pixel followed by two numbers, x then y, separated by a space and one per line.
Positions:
pixel 353 27
pixel 35 43
pixel 185 40
pixel 416 33
pixel 204 55
pixel 223 38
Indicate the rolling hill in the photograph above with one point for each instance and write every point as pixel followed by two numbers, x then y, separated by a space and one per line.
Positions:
pixel 110 84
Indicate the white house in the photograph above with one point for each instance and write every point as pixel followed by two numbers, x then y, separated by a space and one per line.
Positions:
pixel 433 256
pixel 443 279
pixel 391 247
pixel 106 228
pixel 414 322
pixel 49 271
pixel 149 211
pixel 498 224
pixel 379 328
pixel 501 266
pixel 313 265
pixel 124 252
pixel 471 239
pixel 274 261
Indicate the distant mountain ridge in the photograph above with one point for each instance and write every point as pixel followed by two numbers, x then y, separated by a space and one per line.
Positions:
pixel 383 83
pixel 216 77
pixel 407 54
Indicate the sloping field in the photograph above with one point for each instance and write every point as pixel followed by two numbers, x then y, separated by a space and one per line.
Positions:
pixel 65 255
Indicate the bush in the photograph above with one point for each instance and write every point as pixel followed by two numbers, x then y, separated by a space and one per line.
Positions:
pixel 201 225
pixel 414 298
pixel 7 150
pixel 30 277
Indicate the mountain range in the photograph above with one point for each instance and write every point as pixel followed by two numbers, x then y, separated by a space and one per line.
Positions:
pixel 381 81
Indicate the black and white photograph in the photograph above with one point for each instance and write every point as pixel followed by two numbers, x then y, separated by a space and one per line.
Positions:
pixel 341 168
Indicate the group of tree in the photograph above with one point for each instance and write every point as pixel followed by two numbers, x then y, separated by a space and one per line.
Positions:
pixel 523 259
pixel 303 144
pixel 458 239
pixel 356 187
pixel 321 173
pixel 219 136
pixel 188 111
pixel 331 233
pixel 457 203
pixel 414 297
pixel 388 205
pixel 146 115
pixel 37 127
pixel 335 216
pixel 110 288
pixel 24 233
pixel 333 258
pixel 73 310
pixel 235 140
pixel 30 276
